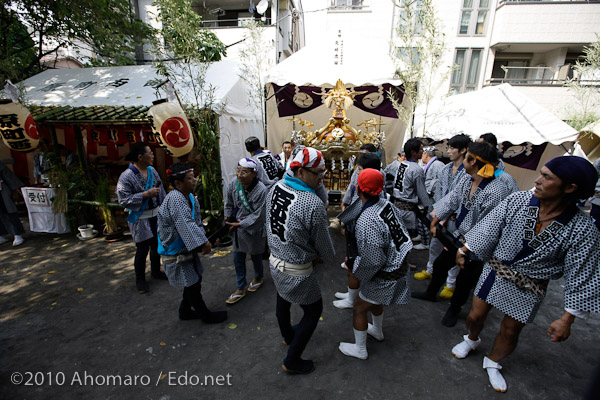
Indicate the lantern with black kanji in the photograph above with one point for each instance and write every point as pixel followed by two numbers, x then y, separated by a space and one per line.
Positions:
pixel 17 127
pixel 171 127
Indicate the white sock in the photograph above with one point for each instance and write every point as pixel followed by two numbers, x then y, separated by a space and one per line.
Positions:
pixel 3 239
pixel 353 294
pixel 376 329
pixel 18 237
pixel 496 379
pixel 358 349
pixel 347 302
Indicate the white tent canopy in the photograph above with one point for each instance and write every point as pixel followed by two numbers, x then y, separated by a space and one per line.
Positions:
pixel 502 110
pixel 136 86
pixel 356 63
pixel 316 65
pixel 505 112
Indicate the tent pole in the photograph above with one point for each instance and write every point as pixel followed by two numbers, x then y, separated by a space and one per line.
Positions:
pixel 264 119
pixel 56 158
pixel 80 148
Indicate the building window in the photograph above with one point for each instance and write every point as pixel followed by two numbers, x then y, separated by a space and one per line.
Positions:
pixel 347 4
pixel 473 17
pixel 465 76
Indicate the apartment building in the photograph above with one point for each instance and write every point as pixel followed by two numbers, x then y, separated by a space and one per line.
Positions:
pixel 283 21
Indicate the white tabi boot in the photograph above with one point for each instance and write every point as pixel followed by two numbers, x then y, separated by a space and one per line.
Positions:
pixel 463 349
pixel 342 295
pixel 348 302
pixel 18 240
pixel 358 349
pixel 496 379
pixel 375 330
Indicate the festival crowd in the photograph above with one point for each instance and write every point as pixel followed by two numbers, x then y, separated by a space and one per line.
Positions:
pixel 481 232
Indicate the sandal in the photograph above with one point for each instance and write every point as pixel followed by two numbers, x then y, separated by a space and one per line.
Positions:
pixel 253 287
pixel 234 298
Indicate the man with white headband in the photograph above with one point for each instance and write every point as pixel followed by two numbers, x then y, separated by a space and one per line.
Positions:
pixel 530 238
pixel 472 199
pixel 298 232
pixel 245 214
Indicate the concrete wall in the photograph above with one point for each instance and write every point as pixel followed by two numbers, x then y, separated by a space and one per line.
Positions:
pixel 546 23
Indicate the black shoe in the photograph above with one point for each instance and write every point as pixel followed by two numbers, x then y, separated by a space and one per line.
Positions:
pixel 159 275
pixel 450 318
pixel 423 296
pixel 298 367
pixel 186 315
pixel 141 286
pixel 214 317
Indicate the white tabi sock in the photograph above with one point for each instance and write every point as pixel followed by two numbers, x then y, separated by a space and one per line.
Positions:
pixel 358 349
pixel 376 329
pixel 463 349
pixel 496 379
pixel 348 302
pixel 18 240
pixel 3 240
pixel 342 295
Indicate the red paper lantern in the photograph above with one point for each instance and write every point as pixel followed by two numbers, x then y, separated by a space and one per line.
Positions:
pixel 171 128
pixel 17 127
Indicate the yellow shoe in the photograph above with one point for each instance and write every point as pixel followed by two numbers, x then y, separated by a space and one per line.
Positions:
pixel 421 276
pixel 447 293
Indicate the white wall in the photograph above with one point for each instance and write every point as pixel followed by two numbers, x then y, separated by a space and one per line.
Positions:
pixel 546 23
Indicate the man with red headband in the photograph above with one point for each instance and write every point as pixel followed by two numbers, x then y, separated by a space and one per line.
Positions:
pixel 471 199
pixel 530 238
pixel 383 243
pixel 298 232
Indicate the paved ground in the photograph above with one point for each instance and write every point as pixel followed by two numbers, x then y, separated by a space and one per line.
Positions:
pixel 70 317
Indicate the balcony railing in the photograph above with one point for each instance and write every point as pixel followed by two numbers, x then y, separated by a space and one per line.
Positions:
pixel 531 76
pixel 233 23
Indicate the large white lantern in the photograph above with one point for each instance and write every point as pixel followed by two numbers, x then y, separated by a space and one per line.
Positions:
pixel 17 127
pixel 171 127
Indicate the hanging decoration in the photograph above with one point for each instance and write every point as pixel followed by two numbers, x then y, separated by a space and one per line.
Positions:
pixel 17 127
pixel 171 128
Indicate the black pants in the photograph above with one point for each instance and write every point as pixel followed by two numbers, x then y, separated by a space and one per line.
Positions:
pixel 10 223
pixel 192 297
pixel 141 252
pixel 465 281
pixel 299 336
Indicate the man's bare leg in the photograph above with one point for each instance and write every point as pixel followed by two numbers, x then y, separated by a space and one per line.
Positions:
pixel 347 299
pixel 507 339
pixel 477 316
pixel 475 322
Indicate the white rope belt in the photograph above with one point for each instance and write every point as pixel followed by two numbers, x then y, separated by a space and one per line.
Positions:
pixel 149 213
pixel 289 268
pixel 178 259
